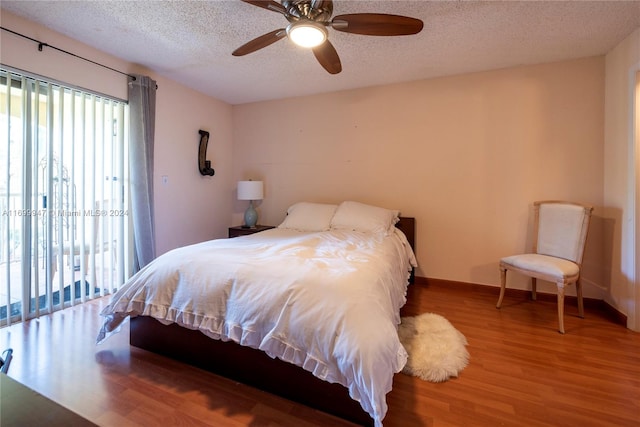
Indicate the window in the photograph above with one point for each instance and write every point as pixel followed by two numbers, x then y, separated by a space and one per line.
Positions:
pixel 64 216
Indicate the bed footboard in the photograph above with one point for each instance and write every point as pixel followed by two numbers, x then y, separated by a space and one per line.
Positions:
pixel 246 365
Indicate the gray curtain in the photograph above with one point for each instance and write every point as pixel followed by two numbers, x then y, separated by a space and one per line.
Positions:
pixel 142 115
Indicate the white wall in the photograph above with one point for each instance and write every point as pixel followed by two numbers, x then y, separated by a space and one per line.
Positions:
pixel 191 208
pixel 620 176
pixel 465 155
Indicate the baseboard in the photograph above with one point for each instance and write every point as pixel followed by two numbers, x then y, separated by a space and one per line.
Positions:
pixel 613 314
pixel 610 312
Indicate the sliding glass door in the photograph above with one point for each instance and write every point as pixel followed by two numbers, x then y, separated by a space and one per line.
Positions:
pixel 63 196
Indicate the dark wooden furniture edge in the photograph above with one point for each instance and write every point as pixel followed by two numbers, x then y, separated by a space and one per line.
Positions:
pixel 241 230
pixel 408 226
pixel 23 406
pixel 246 365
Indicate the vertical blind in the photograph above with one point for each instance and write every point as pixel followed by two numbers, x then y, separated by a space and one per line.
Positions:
pixel 64 215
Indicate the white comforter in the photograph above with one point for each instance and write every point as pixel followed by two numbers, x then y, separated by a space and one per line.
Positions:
pixel 328 301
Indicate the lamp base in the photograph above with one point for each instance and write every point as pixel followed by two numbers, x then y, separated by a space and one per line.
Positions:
pixel 250 216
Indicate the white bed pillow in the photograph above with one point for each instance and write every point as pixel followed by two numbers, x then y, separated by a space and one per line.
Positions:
pixel 366 218
pixel 307 216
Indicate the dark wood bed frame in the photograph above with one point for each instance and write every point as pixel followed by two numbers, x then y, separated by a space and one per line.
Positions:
pixel 250 366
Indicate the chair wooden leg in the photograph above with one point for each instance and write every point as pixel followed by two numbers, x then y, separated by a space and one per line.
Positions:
pixel 579 295
pixel 503 285
pixel 561 308
pixel 534 285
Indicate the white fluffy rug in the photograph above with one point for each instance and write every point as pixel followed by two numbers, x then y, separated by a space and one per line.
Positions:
pixel 437 350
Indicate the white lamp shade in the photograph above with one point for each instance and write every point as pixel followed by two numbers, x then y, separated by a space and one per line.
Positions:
pixel 250 190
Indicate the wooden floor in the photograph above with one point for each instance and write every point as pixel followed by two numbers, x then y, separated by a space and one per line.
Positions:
pixel 522 372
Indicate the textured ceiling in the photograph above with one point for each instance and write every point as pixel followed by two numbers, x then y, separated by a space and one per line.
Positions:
pixel 192 41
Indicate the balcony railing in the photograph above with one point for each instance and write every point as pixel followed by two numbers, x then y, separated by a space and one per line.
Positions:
pixel 73 254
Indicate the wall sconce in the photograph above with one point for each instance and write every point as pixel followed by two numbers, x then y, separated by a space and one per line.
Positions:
pixel 203 164
pixel 250 190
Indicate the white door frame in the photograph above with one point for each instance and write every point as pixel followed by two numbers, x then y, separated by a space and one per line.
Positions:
pixel 634 309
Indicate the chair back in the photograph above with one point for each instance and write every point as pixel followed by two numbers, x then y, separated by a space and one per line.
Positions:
pixel 561 229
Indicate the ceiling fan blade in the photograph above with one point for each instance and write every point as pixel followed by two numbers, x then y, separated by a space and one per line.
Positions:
pixel 328 57
pixel 269 5
pixel 377 24
pixel 260 42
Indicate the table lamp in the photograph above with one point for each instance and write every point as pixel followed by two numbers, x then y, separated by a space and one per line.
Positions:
pixel 250 190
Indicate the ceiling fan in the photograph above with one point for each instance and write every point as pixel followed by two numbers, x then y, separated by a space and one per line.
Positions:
pixel 308 22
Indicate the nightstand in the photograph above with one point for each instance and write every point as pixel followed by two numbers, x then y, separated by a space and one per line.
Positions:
pixel 241 230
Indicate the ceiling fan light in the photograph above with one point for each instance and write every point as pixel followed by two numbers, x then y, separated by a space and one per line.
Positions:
pixel 307 33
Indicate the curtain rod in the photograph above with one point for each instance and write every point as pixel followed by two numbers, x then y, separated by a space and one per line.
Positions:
pixel 42 45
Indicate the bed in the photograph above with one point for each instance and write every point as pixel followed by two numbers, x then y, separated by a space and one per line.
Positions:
pixel 308 310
